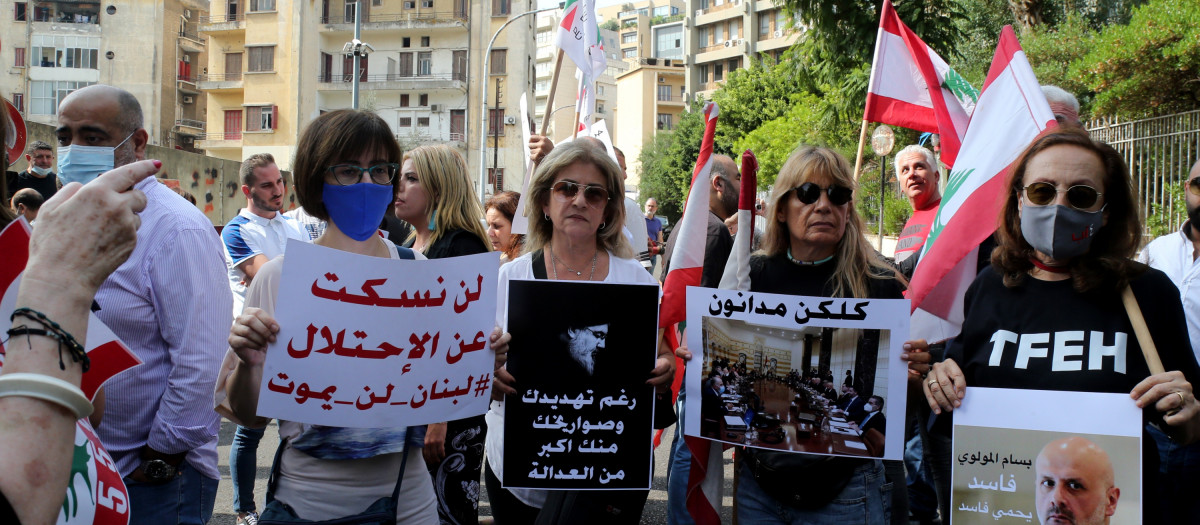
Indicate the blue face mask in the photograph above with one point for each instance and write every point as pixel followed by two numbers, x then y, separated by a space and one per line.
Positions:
pixel 357 209
pixel 82 164
pixel 721 390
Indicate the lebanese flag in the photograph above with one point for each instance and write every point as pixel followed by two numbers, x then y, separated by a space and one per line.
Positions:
pixel 706 476
pixel 1013 109
pixel 899 91
pixel 687 256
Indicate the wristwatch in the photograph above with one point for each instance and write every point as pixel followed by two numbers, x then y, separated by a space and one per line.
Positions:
pixel 158 471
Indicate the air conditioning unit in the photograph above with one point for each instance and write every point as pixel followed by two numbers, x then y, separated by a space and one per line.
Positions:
pixel 187 59
pixel 187 13
pixel 699 12
pixel 510 121
pixel 778 33
pixel 661 79
pixel 437 108
pixel 188 99
pixel 729 43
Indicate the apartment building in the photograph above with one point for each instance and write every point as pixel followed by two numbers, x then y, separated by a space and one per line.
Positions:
pixel 652 94
pixel 52 48
pixel 277 64
pixel 723 35
pixel 562 118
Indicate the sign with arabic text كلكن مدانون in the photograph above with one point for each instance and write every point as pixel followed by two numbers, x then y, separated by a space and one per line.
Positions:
pixel 369 342
pixel 581 353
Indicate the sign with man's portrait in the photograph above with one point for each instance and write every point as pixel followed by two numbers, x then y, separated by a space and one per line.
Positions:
pixel 581 354
pixel 1034 456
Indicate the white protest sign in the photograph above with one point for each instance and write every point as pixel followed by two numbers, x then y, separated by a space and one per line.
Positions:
pixel 1008 442
pixel 520 223
pixel 756 340
pixel 371 342
pixel 599 130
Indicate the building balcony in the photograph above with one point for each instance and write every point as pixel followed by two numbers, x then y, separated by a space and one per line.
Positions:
pixel 220 82
pixel 420 138
pixel 52 25
pixel 729 49
pixel 670 100
pixel 419 19
pixel 226 140
pixel 195 5
pixel 190 127
pixel 776 40
pixel 546 53
pixel 222 23
pixel 331 82
pixel 187 84
pixel 191 42
pixel 717 13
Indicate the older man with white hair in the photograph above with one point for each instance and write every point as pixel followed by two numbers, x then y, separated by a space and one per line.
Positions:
pixel 917 171
pixel 1063 104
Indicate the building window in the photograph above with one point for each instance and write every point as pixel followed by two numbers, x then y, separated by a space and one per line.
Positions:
pixel 425 63
pixel 424 41
pixel 423 122
pixel 599 108
pixel 19 56
pixel 406 42
pixel 18 100
pixel 543 37
pixel 764 25
pixel 629 53
pixel 405 122
pixel 600 90
pixel 735 64
pixel 735 28
pixel 48 94
pixel 703 37
pixel 704 74
pixel 262 58
pixel 424 99
pixel 79 52
pixel 19 12
pixel 499 63
pixel 496 178
pixel 260 118
pixel 664 92
pixel 261 5
pixel 629 38
pixel 664 121
pixel 376 3
pixel 404 100
pixel 501 7
pixel 718 73
pixel 406 64
pixel 495 121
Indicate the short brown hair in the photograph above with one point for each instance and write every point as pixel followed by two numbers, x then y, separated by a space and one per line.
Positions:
pixel 333 138
pixel 1107 262
pixel 253 162
pixel 505 202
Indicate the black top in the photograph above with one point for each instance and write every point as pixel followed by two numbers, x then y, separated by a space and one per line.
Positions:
pixel 47 185
pixel 777 274
pixel 717 245
pixel 455 243
pixel 7 514
pixel 877 422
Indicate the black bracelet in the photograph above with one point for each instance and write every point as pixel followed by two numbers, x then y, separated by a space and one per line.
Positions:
pixel 53 331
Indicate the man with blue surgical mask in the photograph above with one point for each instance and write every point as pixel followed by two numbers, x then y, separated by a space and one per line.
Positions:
pixel 170 303
pixel 38 175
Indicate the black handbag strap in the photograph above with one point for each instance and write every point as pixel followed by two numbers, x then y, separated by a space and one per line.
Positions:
pixel 273 480
pixel 539 265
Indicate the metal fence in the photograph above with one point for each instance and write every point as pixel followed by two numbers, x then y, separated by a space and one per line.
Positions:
pixel 1159 151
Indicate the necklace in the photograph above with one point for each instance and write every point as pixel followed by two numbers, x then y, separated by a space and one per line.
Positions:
pixel 1046 267
pixel 798 262
pixel 578 273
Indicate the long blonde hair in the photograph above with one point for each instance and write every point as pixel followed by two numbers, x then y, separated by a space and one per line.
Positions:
pixel 609 237
pixel 442 172
pixel 857 261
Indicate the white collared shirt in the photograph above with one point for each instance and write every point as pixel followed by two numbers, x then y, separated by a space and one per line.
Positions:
pixel 248 235
pixel 1172 254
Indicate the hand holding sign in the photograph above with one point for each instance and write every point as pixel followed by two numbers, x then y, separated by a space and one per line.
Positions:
pixel 251 333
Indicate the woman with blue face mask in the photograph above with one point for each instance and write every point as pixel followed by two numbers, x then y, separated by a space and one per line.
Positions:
pixel 1048 315
pixel 346 172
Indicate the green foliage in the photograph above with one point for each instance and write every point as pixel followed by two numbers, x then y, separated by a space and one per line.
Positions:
pixel 774 141
pixel 1162 218
pixel 752 96
pixel 610 24
pixel 896 209
pixel 666 19
pixel 1053 50
pixel 669 159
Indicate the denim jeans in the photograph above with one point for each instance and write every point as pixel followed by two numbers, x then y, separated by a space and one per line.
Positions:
pixel 865 501
pixel 677 474
pixel 1179 475
pixel 243 468
pixel 186 500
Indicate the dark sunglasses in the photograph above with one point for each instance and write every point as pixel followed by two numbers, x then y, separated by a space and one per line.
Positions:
pixel 1193 186
pixel 1080 197
pixel 566 190
pixel 809 193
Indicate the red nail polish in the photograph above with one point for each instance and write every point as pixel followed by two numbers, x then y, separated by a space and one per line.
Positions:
pixel 157 163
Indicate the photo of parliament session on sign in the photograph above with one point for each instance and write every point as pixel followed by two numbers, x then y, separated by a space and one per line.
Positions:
pixel 815 389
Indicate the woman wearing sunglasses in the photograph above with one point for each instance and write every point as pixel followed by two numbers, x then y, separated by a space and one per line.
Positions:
pixel 346 171
pixel 575 217
pixel 814 246
pixel 434 195
pixel 1048 314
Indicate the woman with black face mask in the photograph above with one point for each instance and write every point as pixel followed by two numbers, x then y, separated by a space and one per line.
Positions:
pixel 1048 313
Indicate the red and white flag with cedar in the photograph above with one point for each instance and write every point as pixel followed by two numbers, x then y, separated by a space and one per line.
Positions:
pixel 687 255
pixel 1013 108
pixel 579 37
pixel 899 93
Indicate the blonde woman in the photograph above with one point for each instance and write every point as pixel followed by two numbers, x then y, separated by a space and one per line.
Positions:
pixel 435 196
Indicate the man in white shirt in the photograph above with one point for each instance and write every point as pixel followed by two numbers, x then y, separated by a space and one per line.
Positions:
pixel 1175 254
pixel 258 234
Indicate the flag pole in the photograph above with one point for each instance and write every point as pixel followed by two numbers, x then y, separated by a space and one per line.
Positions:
pixel 862 139
pixel 553 88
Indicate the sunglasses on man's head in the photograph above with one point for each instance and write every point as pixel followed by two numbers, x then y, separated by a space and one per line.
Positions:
pixel 1079 196
pixel 566 190
pixel 809 193
pixel 1193 186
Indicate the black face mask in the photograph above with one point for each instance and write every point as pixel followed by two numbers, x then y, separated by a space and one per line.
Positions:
pixel 1194 216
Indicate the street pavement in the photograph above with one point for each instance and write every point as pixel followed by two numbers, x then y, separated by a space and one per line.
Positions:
pixel 655 512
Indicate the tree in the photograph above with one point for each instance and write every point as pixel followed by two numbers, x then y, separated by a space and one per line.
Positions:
pixel 610 24
pixel 669 159
pixel 755 95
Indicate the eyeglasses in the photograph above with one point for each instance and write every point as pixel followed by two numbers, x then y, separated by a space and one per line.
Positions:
pixel 1193 186
pixel 809 193
pixel 1079 196
pixel 348 174
pixel 566 190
